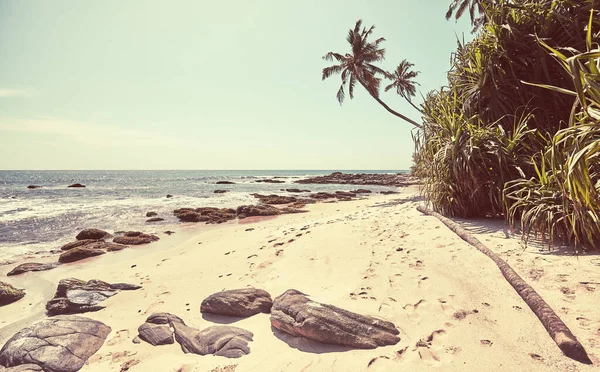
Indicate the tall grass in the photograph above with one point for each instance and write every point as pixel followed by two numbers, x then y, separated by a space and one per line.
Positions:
pixel 515 133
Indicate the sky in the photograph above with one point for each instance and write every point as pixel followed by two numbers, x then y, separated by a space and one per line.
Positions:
pixel 207 84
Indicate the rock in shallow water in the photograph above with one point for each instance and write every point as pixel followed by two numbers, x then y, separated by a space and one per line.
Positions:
pixel 92 234
pixel 165 328
pixel 294 313
pixel 9 294
pixel 74 296
pixel 26 267
pixel 135 238
pixel 61 344
pixel 238 302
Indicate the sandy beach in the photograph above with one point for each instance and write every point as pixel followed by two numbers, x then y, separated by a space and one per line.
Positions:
pixel 376 256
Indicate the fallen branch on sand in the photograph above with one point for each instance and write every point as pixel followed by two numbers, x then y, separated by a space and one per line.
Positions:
pixel 560 333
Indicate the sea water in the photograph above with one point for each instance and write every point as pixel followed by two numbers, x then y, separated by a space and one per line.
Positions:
pixel 42 219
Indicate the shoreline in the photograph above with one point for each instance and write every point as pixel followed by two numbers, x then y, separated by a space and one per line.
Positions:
pixel 376 256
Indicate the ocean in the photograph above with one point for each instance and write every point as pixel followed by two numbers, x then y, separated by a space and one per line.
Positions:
pixel 43 219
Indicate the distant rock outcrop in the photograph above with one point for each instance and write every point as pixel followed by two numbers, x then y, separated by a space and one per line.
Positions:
pixel 220 191
pixel 205 214
pixel 238 302
pixel 244 211
pixel 9 294
pixel 151 214
pixel 294 313
pixel 60 344
pixel 33 187
pixel 381 179
pixel 295 190
pixel 225 183
pixel 269 181
pixel 275 199
pixel 155 219
pixel 76 185
pixel 74 296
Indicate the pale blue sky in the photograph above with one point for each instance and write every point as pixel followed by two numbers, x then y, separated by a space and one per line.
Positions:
pixel 206 84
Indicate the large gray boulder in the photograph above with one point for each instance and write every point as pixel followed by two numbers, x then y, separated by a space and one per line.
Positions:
pixel 238 302
pixel 294 313
pixel 157 330
pixel 9 294
pixel 60 344
pixel 227 341
pixel 74 296
pixel 165 328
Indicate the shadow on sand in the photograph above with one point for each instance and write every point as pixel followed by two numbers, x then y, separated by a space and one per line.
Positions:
pixel 220 319
pixel 395 202
pixel 308 346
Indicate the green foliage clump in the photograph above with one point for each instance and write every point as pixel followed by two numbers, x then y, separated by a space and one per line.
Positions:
pixel 497 141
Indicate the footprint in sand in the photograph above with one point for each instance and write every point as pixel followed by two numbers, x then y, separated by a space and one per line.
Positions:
pixel 447 308
pixel 537 357
pixel 119 337
pixel 411 310
pixel 157 304
pixel 428 348
pixel 486 343
pixel 424 283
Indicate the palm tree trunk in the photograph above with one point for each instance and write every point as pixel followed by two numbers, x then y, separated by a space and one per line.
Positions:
pixel 390 110
pixel 558 330
pixel 412 104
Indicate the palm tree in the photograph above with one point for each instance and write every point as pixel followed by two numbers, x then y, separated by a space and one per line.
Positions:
pixel 476 11
pixel 402 81
pixel 358 66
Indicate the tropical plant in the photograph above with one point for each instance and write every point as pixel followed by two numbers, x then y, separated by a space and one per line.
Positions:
pixel 562 200
pixel 402 81
pixel 360 66
pixel 476 11
pixel 497 142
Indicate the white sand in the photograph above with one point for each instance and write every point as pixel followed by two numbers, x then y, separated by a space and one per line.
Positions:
pixel 437 289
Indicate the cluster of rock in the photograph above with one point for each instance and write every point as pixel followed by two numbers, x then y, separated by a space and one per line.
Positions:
pixel 267 180
pixel 165 329
pixel 89 243
pixel 291 204
pixel 292 312
pixel 75 296
pixel 362 179
pixel 153 217
pixel 220 215
pixel 64 343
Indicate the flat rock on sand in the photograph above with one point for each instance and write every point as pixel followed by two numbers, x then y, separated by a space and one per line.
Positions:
pixel 32 266
pixel 9 294
pixel 238 302
pixel 294 313
pixel 75 296
pixel 135 238
pixel 61 344
pixel 165 328
pixel 79 253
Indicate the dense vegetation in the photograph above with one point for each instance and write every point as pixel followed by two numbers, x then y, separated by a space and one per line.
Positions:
pixel 515 132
